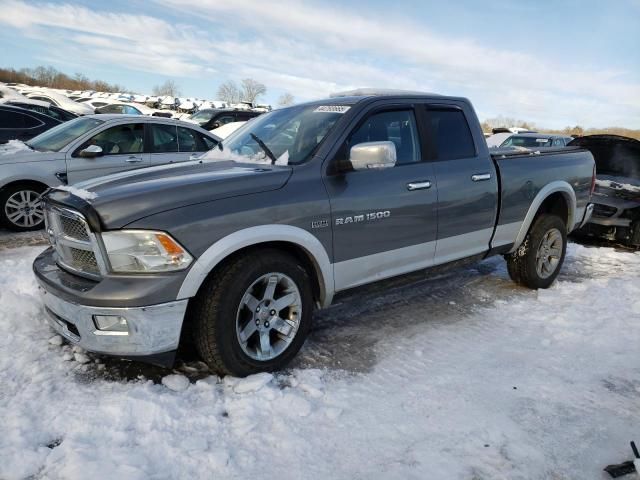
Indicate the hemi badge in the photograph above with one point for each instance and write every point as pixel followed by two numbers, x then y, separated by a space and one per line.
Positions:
pixel 320 224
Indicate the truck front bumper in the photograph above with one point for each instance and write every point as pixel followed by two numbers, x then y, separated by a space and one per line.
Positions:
pixel 152 332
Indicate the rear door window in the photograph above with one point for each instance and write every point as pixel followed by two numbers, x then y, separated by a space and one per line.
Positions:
pixel 188 140
pixel 12 120
pixel 450 134
pixel 31 122
pixel 209 142
pixel 164 138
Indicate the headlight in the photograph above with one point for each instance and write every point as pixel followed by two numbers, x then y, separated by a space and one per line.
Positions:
pixel 141 251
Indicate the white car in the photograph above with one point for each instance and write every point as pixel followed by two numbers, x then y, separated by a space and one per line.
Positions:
pixel 61 101
pixel 227 129
pixel 96 103
pixel 85 148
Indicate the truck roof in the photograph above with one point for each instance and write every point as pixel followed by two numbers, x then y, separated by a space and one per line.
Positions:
pixel 351 97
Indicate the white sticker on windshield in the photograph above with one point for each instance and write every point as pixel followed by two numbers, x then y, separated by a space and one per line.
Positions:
pixel 542 140
pixel 332 108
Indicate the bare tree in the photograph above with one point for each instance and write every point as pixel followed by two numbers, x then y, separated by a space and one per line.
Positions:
pixel 50 77
pixel 252 89
pixel 286 99
pixel 229 92
pixel 169 87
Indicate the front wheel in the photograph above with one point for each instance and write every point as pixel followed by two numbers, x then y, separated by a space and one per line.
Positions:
pixel 254 314
pixel 537 262
pixel 21 209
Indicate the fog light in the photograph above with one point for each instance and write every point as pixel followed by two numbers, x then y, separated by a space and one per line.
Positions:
pixel 111 323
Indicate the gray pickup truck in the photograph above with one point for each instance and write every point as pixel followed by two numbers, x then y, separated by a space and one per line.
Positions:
pixel 234 251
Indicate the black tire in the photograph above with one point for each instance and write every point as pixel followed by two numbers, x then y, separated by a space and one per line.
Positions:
pixel 215 307
pixel 7 194
pixel 522 263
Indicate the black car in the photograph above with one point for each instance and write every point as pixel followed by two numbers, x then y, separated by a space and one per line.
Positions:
pixel 20 124
pixel 616 198
pixel 52 110
pixel 211 118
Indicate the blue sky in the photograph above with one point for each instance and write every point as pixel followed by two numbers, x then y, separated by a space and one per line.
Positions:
pixel 554 63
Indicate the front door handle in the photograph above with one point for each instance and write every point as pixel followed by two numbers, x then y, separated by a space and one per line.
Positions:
pixel 133 159
pixel 418 185
pixel 480 177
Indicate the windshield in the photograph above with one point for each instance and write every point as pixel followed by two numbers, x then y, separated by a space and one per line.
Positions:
pixel 55 139
pixel 202 117
pixel 289 135
pixel 516 141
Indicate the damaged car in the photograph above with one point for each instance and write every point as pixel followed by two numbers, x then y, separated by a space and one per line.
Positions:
pixel 616 212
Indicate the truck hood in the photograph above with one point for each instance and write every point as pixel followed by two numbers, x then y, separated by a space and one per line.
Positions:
pixel 125 197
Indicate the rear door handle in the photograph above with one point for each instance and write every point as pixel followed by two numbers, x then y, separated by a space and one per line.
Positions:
pixel 479 177
pixel 133 159
pixel 418 185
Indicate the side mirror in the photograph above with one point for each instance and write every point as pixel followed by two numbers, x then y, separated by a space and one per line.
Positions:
pixel 215 125
pixel 92 151
pixel 364 156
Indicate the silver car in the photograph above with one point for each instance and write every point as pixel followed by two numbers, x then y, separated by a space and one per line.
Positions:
pixel 84 148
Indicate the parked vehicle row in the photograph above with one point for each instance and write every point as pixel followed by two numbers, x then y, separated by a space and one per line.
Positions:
pixel 527 140
pixel 88 147
pixel 236 250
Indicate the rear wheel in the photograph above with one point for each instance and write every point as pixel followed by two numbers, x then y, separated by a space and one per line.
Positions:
pixel 20 207
pixel 537 262
pixel 254 314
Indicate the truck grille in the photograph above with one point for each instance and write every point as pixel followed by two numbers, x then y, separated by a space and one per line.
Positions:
pixel 74 244
pixel 73 228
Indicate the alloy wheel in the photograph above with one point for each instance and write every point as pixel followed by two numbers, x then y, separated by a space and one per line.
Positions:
pixel 24 209
pixel 268 316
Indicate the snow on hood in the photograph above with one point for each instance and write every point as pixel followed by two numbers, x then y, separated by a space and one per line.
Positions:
pixel 217 155
pixel 13 146
pixel 78 192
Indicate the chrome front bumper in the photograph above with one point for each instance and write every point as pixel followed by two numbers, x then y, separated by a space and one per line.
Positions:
pixel 152 330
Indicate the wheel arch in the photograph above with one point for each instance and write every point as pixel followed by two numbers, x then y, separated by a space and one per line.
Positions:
pixel 24 181
pixel 294 240
pixel 556 197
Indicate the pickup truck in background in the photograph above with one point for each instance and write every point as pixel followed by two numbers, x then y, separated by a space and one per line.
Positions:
pixel 235 251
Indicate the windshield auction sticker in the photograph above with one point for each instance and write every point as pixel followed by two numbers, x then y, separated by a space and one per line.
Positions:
pixel 332 108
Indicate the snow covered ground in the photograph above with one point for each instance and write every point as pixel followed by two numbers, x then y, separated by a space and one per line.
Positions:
pixel 460 376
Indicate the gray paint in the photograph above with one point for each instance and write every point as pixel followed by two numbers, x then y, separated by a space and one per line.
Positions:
pixel 523 178
pixel 210 207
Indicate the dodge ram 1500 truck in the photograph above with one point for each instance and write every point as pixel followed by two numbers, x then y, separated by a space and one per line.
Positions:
pixel 235 251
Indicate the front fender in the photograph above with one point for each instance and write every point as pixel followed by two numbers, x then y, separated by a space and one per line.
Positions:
pixel 247 237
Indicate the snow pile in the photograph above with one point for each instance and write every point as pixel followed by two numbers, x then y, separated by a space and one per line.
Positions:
pixel 177 383
pixel 501 383
pixel 78 192
pixel 13 147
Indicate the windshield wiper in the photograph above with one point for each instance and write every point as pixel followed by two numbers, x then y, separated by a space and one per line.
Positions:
pixel 264 148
